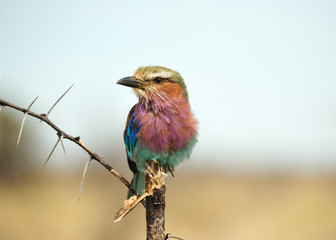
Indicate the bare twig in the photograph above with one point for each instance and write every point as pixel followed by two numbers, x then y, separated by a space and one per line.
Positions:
pixel 93 155
pixel 58 100
pixel 129 205
pixel 23 121
pixel 83 177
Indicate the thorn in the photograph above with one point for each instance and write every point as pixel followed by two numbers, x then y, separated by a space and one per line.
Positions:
pixel 23 121
pixel 21 128
pixel 32 103
pixel 1 107
pixel 62 144
pixel 58 100
pixel 52 151
pixel 171 170
pixel 83 177
pixel 168 236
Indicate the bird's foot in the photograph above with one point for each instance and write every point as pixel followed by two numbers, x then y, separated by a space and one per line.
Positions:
pixel 170 169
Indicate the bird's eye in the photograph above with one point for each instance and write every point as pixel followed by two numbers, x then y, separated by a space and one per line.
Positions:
pixel 158 79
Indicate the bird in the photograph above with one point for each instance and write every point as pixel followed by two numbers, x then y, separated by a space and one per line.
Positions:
pixel 161 126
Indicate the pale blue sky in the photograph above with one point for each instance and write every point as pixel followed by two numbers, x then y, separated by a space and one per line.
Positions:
pixel 261 74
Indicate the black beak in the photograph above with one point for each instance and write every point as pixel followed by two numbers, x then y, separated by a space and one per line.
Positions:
pixel 130 82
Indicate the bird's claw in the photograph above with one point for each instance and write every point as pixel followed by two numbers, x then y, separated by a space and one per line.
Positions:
pixel 170 169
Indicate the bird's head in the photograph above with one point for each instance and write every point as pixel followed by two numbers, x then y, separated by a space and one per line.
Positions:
pixel 152 82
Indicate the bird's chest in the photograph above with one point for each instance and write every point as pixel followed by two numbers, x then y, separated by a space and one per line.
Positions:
pixel 163 132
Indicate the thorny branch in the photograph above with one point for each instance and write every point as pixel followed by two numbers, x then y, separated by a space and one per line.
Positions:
pixel 155 188
pixel 63 135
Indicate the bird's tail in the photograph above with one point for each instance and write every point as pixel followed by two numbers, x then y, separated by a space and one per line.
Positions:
pixel 138 183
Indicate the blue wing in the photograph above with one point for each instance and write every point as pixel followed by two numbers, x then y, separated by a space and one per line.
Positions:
pixel 130 138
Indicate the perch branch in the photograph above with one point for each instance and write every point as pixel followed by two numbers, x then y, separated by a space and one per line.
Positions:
pixel 76 140
pixel 154 182
pixel 155 202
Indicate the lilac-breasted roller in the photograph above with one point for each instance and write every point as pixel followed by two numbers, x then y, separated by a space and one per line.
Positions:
pixel 161 125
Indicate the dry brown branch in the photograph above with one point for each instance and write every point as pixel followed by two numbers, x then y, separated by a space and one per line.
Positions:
pixel 63 135
pixel 155 202
pixel 155 214
pixel 129 205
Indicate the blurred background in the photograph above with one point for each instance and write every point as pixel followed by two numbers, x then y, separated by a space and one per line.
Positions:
pixel 261 77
